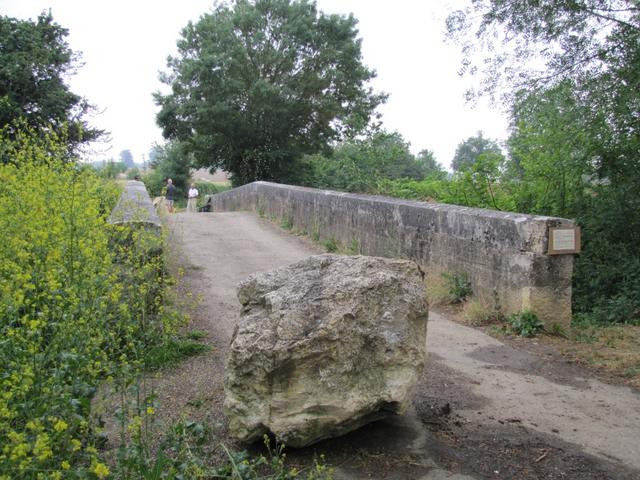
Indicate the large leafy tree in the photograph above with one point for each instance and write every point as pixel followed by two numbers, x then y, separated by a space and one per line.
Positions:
pixel 593 45
pixel 429 166
pixel 552 153
pixel 537 43
pixel 575 144
pixel 358 165
pixel 258 83
pixel 170 161
pixel 126 157
pixel 35 61
pixel 469 150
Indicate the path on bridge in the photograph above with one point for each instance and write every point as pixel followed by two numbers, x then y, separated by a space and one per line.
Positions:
pixel 512 411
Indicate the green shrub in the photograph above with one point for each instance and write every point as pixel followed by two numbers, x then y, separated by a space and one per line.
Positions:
pixel 459 286
pixel 208 188
pixel 525 323
pixel 155 183
pixel 132 173
pixel 331 245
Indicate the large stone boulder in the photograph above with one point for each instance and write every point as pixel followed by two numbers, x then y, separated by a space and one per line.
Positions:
pixel 325 346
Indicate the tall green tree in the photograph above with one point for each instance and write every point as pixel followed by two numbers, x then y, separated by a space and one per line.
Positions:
pixel 358 165
pixel 35 61
pixel 532 46
pixel 258 83
pixel 429 166
pixel 575 146
pixel 126 157
pixel 469 150
pixel 172 161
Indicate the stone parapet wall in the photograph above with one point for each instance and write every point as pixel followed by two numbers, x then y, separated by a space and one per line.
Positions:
pixel 503 254
pixel 135 207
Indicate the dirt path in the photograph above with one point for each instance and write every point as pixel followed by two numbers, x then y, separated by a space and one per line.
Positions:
pixel 483 409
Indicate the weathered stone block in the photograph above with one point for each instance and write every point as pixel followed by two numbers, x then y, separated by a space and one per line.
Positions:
pixel 324 346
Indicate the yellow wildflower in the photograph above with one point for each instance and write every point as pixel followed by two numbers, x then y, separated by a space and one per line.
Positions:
pixel 41 449
pixel 60 426
pixel 101 470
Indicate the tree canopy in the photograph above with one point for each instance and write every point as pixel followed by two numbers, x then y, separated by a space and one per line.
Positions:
pixel 570 73
pixel 256 84
pixel 35 61
pixel 126 157
pixel 430 167
pixel 537 43
pixel 469 150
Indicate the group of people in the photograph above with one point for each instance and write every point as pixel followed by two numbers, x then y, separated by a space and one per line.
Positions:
pixel 192 197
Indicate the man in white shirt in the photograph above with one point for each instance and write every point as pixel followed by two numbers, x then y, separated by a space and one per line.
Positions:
pixel 192 201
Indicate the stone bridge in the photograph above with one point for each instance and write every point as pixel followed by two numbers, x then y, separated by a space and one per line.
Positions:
pixel 503 254
pixel 502 408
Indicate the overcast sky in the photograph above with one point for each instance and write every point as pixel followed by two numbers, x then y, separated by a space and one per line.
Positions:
pixel 125 43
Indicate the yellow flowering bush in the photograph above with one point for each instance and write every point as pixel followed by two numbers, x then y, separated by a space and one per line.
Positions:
pixel 82 301
pixel 76 304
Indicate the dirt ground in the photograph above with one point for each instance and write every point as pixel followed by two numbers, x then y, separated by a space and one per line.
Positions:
pixel 484 408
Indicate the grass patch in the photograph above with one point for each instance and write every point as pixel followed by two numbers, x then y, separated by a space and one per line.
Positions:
pixel 170 353
pixel 287 222
pixel 610 349
pixel 354 248
pixel 437 290
pixel 477 313
pixel 196 335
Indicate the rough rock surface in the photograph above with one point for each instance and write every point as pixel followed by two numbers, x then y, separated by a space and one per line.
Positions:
pixel 325 346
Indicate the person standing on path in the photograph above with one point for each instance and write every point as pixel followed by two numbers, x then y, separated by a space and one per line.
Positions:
pixel 192 199
pixel 171 191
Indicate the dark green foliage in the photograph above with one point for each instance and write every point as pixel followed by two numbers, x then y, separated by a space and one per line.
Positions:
pixel 256 84
pixel 359 165
pixel 35 59
pixel 468 151
pixel 459 286
pixel 208 188
pixel 171 161
pixel 330 245
pixel 607 272
pixel 525 323
pixel 575 143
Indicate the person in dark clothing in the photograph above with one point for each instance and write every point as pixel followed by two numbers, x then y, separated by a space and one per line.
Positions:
pixel 171 191
pixel 207 205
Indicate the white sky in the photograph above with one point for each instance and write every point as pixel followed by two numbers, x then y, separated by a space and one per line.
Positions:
pixel 124 45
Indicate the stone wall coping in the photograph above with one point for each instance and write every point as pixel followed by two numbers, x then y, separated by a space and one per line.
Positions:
pixel 531 231
pixel 485 212
pixel 134 206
